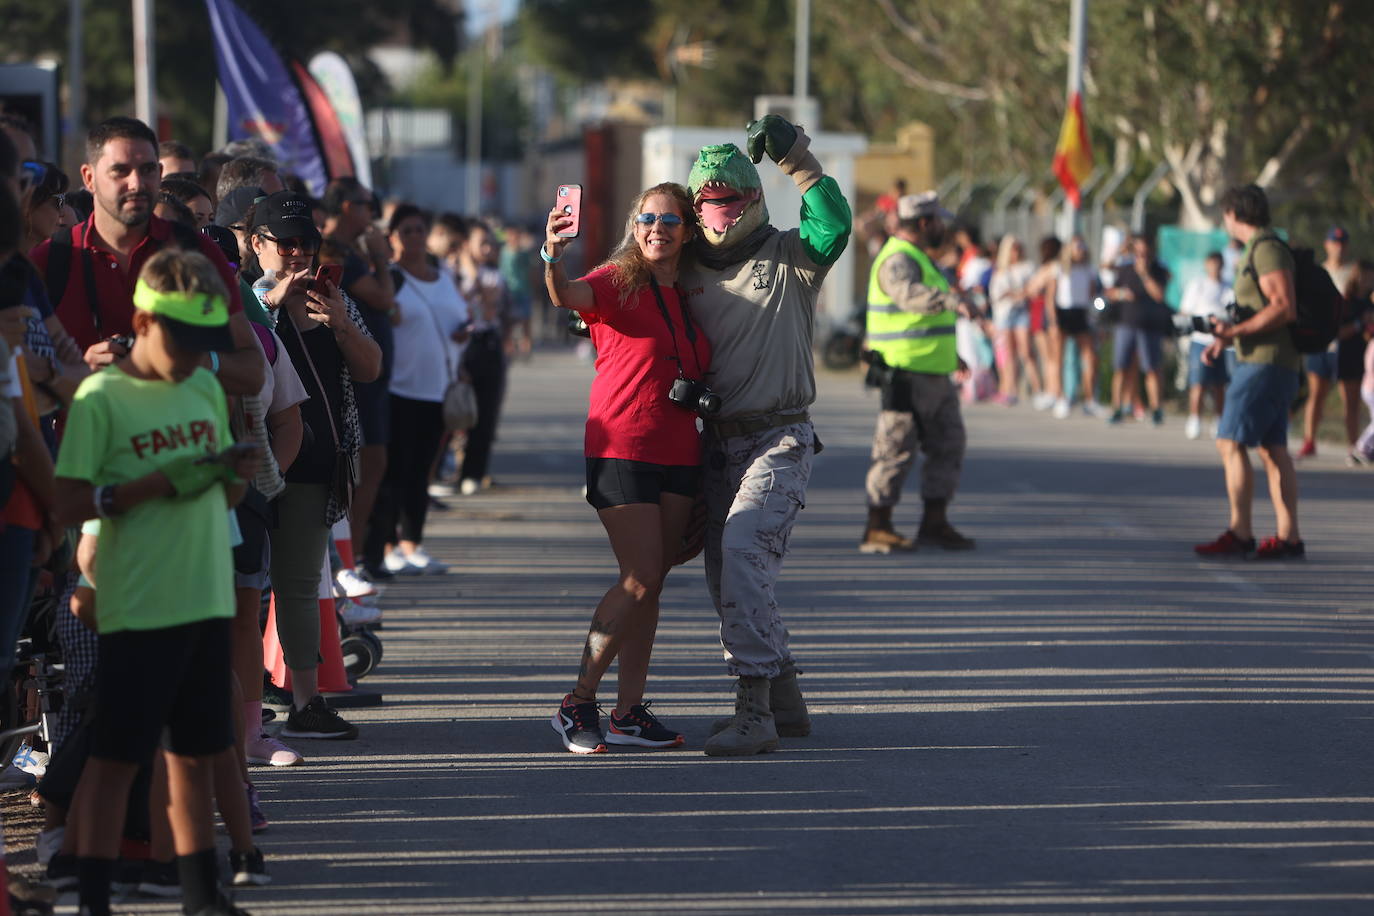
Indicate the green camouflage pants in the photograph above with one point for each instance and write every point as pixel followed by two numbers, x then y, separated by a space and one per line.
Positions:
pixel 934 424
pixel 754 484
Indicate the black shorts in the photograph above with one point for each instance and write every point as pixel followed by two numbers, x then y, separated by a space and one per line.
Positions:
pixel 172 684
pixel 1072 321
pixel 374 411
pixel 622 482
pixel 1350 359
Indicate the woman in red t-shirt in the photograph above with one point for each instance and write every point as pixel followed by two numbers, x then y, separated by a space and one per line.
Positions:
pixel 643 450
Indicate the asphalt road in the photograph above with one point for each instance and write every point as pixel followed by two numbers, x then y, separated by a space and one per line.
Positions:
pixel 1078 717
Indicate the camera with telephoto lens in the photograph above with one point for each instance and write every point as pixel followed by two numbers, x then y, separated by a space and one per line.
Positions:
pixel 1202 324
pixel 695 396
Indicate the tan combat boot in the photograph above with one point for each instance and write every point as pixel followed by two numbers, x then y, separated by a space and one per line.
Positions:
pixel 879 536
pixel 752 730
pixel 786 702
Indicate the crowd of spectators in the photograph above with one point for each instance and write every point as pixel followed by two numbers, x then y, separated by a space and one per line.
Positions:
pixel 340 334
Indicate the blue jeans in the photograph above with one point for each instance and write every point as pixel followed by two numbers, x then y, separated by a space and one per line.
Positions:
pixel 1219 373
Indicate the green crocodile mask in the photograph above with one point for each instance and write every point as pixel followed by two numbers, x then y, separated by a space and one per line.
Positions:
pixel 728 195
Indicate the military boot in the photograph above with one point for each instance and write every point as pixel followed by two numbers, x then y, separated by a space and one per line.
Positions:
pixel 879 535
pixel 936 531
pixel 752 730
pixel 787 703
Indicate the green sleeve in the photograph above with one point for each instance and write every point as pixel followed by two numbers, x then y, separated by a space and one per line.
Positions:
pixel 252 308
pixel 825 222
pixel 81 455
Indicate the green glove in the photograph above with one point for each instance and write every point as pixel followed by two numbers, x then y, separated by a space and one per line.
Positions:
pixel 771 134
pixel 192 474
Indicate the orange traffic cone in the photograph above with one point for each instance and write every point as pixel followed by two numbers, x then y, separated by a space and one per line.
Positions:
pixel 333 677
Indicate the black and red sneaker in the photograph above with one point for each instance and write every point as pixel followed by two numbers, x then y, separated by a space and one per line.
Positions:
pixel 641 728
pixel 1228 545
pixel 579 725
pixel 1275 548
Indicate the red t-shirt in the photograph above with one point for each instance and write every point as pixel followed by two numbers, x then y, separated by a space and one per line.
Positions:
pixel 630 415
pixel 115 288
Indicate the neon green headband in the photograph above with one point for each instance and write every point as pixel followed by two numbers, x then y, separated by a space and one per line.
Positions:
pixel 200 309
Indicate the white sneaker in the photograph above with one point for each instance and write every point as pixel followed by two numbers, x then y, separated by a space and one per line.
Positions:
pixel 469 486
pixel 423 563
pixel 1061 409
pixel 396 564
pixel 354 585
pixel 264 750
pixel 354 614
pixel 1192 428
pixel 35 763
pixel 440 490
pixel 1042 401
pixel 1094 409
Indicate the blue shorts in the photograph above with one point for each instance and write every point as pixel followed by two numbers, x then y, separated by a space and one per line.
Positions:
pixel 1257 403
pixel 1219 373
pixel 1015 320
pixel 1146 346
pixel 1323 365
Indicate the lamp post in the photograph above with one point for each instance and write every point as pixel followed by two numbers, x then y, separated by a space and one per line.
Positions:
pixel 145 61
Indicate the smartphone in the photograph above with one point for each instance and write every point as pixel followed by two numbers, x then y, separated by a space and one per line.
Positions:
pixel 333 273
pixel 569 200
pixel 230 454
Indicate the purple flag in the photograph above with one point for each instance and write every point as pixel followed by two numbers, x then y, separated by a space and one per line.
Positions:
pixel 264 100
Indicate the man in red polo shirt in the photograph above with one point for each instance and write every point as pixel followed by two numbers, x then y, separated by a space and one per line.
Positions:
pixel 123 174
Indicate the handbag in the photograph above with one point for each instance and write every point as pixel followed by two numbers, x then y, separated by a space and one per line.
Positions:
pixel 460 400
pixel 345 476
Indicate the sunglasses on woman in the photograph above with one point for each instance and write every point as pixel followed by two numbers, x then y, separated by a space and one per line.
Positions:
pixel 286 247
pixel 670 220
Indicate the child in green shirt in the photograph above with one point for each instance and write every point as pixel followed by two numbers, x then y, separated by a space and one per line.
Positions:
pixel 147 449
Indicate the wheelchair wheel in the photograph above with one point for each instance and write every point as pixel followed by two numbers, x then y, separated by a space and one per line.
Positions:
pixel 362 651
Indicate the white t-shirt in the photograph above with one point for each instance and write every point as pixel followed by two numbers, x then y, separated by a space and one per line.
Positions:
pixel 1205 297
pixel 1005 289
pixel 426 355
pixel 1075 287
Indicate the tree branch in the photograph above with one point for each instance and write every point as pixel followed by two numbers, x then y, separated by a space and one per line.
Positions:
pixel 910 32
pixel 1285 152
pixel 918 80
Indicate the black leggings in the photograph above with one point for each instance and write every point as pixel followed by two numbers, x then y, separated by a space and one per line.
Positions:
pixel 416 429
pixel 485 362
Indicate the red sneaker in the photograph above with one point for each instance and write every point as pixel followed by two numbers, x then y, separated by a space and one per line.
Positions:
pixel 1276 549
pixel 1308 450
pixel 1228 545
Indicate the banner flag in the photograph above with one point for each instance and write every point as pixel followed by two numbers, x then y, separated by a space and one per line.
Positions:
pixel 336 79
pixel 264 101
pixel 1073 155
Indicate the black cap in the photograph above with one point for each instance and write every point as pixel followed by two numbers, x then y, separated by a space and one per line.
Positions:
pixel 286 215
pixel 234 206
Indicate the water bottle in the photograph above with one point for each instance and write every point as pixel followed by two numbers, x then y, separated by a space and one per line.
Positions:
pixel 261 287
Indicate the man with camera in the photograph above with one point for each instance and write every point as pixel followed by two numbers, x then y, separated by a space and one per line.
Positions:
pixel 911 318
pixel 1264 382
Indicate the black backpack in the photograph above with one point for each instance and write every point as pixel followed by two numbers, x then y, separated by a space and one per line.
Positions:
pixel 60 254
pixel 1321 307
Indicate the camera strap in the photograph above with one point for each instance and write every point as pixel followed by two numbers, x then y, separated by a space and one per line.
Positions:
pixel 688 327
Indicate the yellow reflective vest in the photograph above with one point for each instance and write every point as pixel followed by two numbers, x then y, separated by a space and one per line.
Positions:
pixel 916 343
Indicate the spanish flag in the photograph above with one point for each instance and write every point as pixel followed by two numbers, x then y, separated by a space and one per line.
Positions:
pixel 1073 155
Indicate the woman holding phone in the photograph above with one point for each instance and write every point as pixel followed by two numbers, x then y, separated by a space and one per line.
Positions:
pixel 643 450
pixel 329 346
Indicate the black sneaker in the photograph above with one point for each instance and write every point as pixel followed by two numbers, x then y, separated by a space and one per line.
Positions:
pixel 375 572
pixel 221 907
pixel 248 868
pixel 128 874
pixel 317 720
pixel 274 696
pixel 641 728
pixel 579 725
pixel 61 873
pixel 160 879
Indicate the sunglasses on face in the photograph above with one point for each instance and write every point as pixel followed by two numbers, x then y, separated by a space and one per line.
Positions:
pixel 669 220
pixel 286 247
pixel 60 200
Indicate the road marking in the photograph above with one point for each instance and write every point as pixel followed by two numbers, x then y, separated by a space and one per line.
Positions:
pixel 1238 583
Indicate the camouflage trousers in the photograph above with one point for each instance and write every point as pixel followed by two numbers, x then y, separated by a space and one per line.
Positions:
pixel 754 485
pixel 934 425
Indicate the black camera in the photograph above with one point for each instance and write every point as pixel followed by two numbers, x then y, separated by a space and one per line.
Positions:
pixel 1202 324
pixel 693 395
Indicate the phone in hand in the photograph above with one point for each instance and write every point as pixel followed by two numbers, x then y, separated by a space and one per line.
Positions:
pixel 331 273
pixel 230 454
pixel 569 201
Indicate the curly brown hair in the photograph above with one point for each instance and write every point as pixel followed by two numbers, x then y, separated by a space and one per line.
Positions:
pixel 173 270
pixel 629 270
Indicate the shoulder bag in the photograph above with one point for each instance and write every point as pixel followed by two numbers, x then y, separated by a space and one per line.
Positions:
pixel 345 463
